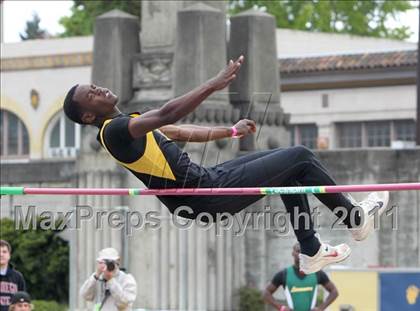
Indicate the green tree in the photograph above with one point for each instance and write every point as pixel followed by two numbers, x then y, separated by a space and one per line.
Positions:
pixel 42 256
pixel 363 18
pixel 33 31
pixel 250 299
pixel 84 12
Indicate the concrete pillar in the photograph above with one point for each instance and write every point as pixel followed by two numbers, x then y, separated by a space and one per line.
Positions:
pixel 153 70
pixel 159 20
pixel 254 250
pixel 116 41
pixel 239 271
pixel 192 269
pixel 183 269
pixel 105 234
pixel 253 34
pixel 90 238
pixel 116 239
pixel 173 265
pixel 211 268
pixel 156 269
pixel 89 253
pixel 97 207
pixel 201 275
pixel 1 22
pixel 164 264
pixel 220 273
pixel 73 266
pixel 80 244
pixel 200 48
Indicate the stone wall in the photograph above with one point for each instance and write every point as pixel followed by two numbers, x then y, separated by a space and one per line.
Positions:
pixel 400 247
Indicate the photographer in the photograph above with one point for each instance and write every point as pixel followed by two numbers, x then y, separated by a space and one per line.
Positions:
pixel 109 287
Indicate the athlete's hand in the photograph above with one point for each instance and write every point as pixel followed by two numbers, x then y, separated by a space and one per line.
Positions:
pixel 225 76
pixel 245 127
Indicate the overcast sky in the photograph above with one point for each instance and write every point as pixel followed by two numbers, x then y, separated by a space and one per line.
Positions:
pixel 16 13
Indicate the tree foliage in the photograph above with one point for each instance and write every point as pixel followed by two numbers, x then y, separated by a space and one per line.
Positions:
pixel 250 299
pixel 363 18
pixel 42 256
pixel 33 30
pixel 42 305
pixel 83 14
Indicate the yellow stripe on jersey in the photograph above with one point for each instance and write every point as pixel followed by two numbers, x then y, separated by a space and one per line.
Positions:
pixel 152 162
pixel 301 289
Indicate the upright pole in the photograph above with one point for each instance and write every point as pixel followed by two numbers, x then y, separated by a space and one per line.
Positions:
pixel 418 81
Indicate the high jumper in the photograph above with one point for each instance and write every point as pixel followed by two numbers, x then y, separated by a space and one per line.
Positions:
pixel 144 145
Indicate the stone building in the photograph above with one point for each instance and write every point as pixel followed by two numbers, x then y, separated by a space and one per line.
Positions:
pixel 181 44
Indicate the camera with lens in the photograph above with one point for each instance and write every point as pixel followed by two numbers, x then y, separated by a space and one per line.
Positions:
pixel 110 264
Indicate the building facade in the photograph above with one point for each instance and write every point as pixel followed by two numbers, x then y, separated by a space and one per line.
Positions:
pixel 334 101
pixel 351 101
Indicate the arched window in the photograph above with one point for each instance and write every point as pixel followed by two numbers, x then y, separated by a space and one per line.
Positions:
pixel 63 137
pixel 14 138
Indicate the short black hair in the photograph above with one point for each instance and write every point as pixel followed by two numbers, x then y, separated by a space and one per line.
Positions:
pixel 71 107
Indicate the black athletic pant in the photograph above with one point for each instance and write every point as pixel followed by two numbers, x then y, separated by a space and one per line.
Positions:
pixel 295 166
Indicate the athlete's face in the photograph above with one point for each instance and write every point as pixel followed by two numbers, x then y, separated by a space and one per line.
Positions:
pixel 95 101
pixel 295 254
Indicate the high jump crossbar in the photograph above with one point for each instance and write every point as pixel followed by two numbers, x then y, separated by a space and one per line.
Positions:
pixel 210 191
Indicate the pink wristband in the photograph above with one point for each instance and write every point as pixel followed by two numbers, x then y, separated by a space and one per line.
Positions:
pixel 282 308
pixel 234 131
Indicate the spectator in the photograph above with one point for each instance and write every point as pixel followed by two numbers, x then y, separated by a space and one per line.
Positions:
pixel 21 301
pixel 110 288
pixel 11 280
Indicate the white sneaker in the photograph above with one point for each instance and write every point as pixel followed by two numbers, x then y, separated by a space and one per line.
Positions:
pixel 326 255
pixel 375 202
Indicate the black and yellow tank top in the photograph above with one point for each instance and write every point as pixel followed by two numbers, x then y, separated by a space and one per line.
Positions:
pixel 154 159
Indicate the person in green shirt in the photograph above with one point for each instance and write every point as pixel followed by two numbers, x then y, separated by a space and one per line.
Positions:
pixel 300 289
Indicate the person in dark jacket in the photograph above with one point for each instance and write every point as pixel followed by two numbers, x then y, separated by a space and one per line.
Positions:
pixel 11 280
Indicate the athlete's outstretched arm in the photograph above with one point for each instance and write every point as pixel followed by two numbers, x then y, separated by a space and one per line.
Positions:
pixel 181 106
pixel 195 133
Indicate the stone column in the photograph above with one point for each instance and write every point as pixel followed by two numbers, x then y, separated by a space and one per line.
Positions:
pixel 1 22
pixel 159 20
pixel 95 233
pixel 200 48
pixel 256 93
pixel 252 34
pixel 116 41
pixel 153 70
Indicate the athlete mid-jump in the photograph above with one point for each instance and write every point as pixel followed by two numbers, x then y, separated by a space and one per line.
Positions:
pixel 144 144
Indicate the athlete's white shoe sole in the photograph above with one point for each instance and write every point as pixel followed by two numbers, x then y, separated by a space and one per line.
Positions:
pixel 326 255
pixel 374 204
